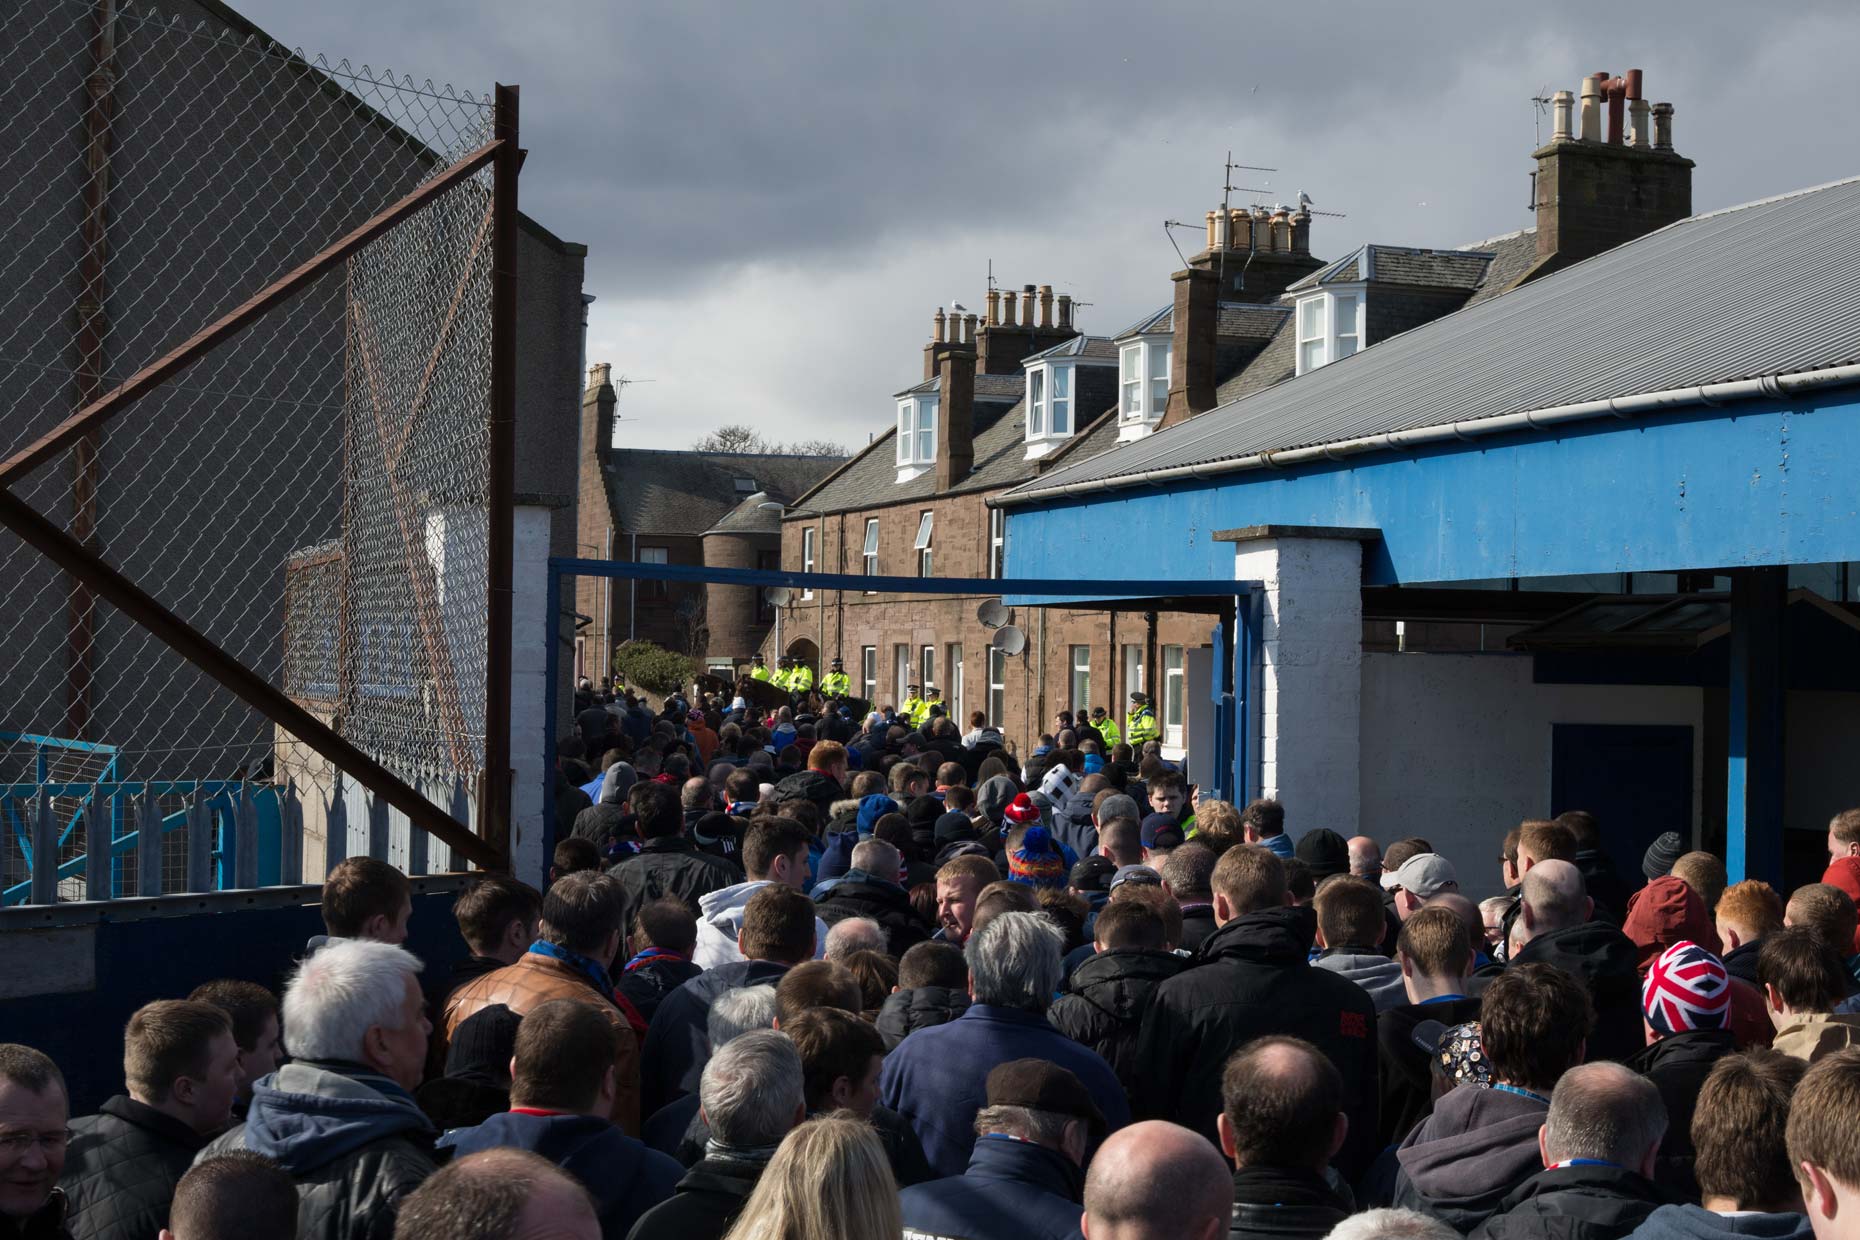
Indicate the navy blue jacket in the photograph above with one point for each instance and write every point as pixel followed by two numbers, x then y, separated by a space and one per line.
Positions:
pixel 678 1040
pixel 938 1077
pixel 1013 1190
pixel 626 1178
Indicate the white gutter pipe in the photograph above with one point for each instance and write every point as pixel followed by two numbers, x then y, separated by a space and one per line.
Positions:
pixel 1398 441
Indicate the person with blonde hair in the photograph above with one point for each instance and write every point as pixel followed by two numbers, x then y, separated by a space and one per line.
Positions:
pixel 830 1180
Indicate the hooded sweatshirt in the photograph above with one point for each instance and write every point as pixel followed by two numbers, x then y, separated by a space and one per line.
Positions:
pixel 1689 1222
pixel 1460 1162
pixel 720 920
pixel 1371 970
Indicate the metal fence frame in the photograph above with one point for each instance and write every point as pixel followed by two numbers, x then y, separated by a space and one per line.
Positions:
pixel 1236 638
pixel 91 577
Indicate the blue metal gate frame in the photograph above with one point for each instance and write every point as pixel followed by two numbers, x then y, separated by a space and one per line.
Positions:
pixel 1237 650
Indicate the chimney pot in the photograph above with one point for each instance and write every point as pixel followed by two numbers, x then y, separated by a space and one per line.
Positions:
pixel 937 326
pixel 1662 126
pixel 1046 305
pixel 1637 124
pixel 1027 292
pixel 968 329
pixel 1239 229
pixel 600 375
pixel 1592 109
pixel 1008 316
pixel 994 307
pixel 1065 311
pixel 1562 104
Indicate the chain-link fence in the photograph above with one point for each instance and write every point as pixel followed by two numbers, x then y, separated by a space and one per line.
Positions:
pixel 312 493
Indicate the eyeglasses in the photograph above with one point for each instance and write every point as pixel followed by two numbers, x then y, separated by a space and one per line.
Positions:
pixel 19 1144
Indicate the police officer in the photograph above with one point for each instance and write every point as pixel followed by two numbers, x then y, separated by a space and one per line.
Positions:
pixel 801 678
pixel 836 683
pixel 912 707
pixel 760 671
pixel 1105 726
pixel 933 696
pixel 784 672
pixel 1140 723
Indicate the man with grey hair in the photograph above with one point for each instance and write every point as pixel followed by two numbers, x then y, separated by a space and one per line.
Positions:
pixel 1026 1177
pixel 340 1118
pixel 873 888
pixel 1598 1144
pixel 732 1014
pixel 1554 922
pixel 938 1077
pixel 1392 1224
pixel 752 1095
pixel 1157 1181
pixel 854 934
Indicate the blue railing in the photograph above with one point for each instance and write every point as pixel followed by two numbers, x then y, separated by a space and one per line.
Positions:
pixel 236 835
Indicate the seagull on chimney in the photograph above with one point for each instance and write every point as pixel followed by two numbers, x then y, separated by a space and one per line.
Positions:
pixel 959 308
pixel 1304 200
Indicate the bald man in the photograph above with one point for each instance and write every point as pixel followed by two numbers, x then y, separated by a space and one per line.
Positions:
pixel 504 1192
pixel 1365 858
pixel 1463 908
pixel 1157 1181
pixel 1554 922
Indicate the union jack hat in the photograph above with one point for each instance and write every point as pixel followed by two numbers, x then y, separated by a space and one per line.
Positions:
pixel 1686 988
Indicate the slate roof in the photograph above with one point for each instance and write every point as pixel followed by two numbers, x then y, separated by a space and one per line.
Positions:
pixel 987 386
pixel 750 517
pixel 654 491
pixel 1238 318
pixel 1089 348
pixel 1404 265
pixel 1771 287
pixel 1512 255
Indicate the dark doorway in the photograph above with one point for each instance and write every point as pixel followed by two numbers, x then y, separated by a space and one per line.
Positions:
pixel 1635 778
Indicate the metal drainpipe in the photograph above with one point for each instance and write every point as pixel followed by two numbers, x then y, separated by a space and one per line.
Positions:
pixel 1039 719
pixel 632 594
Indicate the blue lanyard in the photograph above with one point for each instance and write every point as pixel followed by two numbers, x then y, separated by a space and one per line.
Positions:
pixel 1521 1092
pixel 1441 999
pixel 1583 1162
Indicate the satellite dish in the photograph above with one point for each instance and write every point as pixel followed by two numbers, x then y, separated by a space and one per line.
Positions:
pixel 1008 640
pixel 778 596
pixel 993 613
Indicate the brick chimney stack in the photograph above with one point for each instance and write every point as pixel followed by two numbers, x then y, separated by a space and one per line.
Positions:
pixel 1614 178
pixel 1255 253
pixel 955 409
pixel 1193 346
pixel 1019 324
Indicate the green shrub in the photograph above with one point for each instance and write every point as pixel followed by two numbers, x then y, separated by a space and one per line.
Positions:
pixel 649 666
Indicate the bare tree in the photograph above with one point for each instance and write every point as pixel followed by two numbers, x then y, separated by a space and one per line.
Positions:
pixel 746 440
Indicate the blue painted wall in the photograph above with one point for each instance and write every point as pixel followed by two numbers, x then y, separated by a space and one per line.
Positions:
pixel 1760 482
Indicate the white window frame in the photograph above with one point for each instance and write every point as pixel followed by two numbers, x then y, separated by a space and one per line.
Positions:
pixel 997 542
pixel 1157 359
pixel 655 587
pixel 916 449
pixel 997 685
pixel 901 664
pixel 1174 696
pixel 868 553
pixel 952 692
pixel 807 557
pixel 1036 402
pixel 925 543
pixel 1078 662
pixel 1329 326
pixel 1130 372
pixel 1060 422
pixel 868 674
pixel 926 668
pixel 1132 658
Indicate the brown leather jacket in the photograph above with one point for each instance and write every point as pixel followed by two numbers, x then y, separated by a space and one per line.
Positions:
pixel 535 980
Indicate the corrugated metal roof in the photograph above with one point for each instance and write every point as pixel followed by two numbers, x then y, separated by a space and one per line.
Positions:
pixel 1771 287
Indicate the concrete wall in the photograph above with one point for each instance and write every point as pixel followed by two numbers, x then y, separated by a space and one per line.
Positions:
pixel 1457 748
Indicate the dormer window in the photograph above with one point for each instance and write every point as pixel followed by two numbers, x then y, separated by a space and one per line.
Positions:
pixel 1049 407
pixel 1330 326
pixel 1142 386
pixel 916 436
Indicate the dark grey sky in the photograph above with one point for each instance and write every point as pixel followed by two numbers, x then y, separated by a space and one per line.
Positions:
pixel 777 195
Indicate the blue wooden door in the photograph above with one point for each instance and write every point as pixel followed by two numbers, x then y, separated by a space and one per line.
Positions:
pixel 1635 778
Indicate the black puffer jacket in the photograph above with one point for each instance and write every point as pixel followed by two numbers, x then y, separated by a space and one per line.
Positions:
pixel 45 1223
pixel 1254 979
pixel 647 983
pixel 678 1041
pixel 1603 959
pixel 1678 1065
pixel 355 1143
pixel 906 1011
pixel 670 865
pixel 860 895
pixel 823 790
pixel 121 1168
pixel 1104 1002
pixel 1574 1203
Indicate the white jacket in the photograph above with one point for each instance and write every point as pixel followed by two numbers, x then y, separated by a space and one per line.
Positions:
pixel 720 920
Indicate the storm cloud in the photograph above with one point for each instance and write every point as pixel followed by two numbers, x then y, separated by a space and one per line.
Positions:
pixel 776 196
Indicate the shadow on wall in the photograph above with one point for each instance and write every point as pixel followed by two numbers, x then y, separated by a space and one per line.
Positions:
pixel 165 958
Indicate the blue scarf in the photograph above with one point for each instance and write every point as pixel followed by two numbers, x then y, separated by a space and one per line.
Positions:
pixel 590 969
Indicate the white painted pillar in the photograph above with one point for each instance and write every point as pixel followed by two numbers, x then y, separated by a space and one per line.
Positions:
pixel 1308 717
pixel 531 610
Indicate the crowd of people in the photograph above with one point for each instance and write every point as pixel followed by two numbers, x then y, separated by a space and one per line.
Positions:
pixel 800 976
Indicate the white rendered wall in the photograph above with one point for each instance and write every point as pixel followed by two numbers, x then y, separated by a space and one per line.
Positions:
pixel 1456 748
pixel 531 610
pixel 1311 654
